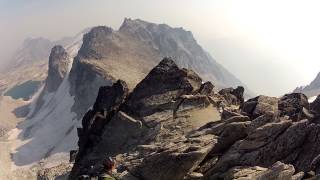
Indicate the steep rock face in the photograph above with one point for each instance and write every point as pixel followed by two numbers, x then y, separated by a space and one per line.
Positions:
pixel 180 44
pixel 97 43
pixel 58 67
pixel 173 42
pixel 59 63
pixel 130 53
pixel 107 104
pixel 85 83
pixel 86 78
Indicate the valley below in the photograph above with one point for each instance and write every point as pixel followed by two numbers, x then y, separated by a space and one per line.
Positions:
pixel 8 122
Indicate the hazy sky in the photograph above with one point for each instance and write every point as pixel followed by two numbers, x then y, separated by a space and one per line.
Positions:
pixel 271 45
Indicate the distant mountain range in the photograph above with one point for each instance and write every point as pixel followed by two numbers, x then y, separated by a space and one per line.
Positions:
pixel 311 90
pixel 30 61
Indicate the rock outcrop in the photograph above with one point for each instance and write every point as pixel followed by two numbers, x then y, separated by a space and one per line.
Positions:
pixel 294 105
pixel 106 106
pixel 315 106
pixel 161 87
pixel 260 105
pixel 277 171
pixel 59 61
pixel 155 132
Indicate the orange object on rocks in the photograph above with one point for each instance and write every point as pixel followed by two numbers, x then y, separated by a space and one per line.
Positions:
pixel 109 164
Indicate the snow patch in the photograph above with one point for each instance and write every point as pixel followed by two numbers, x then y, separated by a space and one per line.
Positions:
pixel 33 101
pixel 50 134
pixel 53 129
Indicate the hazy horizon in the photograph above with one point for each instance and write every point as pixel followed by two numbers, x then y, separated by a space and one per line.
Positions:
pixel 270 46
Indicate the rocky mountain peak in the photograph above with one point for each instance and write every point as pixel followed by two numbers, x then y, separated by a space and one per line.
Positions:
pixel 138 24
pixel 59 61
pixel 57 52
pixel 129 23
pixel 165 77
pixel 95 42
pixel 151 31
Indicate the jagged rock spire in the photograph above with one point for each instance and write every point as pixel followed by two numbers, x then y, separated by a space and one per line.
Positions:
pixel 58 67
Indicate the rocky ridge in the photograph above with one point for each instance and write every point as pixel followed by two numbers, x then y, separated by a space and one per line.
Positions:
pixel 154 132
pixel 167 92
pixel 131 52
